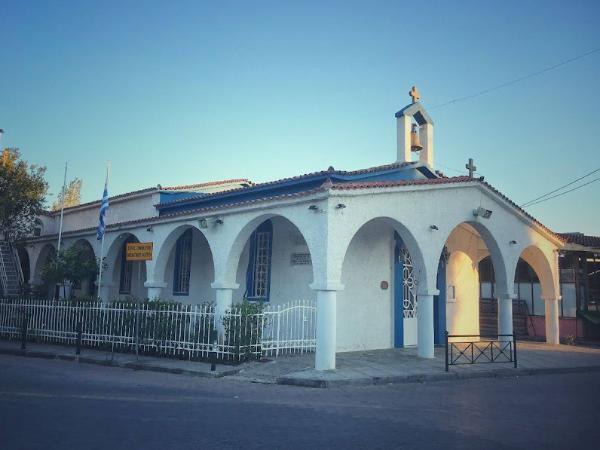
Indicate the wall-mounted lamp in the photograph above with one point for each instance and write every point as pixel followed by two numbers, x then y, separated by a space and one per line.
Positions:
pixel 482 212
pixel 433 227
pixel 150 229
pixel 340 206
pixel 219 221
pixel 513 242
pixel 203 223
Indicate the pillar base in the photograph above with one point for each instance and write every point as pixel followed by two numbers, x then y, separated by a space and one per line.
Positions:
pixel 551 319
pixel 425 332
pixel 326 330
pixel 505 317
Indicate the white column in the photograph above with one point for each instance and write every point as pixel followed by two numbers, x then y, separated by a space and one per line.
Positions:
pixel 403 126
pixel 224 297
pixel 104 291
pixel 426 138
pixel 552 327
pixel 326 329
pixel 505 315
pixel 425 335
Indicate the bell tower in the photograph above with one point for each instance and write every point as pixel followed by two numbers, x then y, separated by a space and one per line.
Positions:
pixel 414 131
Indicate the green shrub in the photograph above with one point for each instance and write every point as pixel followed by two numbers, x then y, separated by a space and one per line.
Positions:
pixel 243 329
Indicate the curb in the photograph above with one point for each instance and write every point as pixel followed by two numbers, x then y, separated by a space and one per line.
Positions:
pixel 124 365
pixel 423 378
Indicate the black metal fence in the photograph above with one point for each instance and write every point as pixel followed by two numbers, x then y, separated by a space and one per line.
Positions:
pixel 464 349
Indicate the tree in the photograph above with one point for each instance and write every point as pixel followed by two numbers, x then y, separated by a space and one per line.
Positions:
pixel 72 195
pixel 22 194
pixel 75 264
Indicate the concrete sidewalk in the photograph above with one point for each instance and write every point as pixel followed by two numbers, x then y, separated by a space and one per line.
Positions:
pixel 403 366
pixel 123 360
pixel 355 368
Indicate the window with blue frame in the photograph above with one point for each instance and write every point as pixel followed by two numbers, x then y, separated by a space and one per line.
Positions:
pixel 258 276
pixel 183 264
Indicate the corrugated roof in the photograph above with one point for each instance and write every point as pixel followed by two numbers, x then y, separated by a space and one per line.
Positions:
pixel 581 239
pixel 329 171
pixel 183 187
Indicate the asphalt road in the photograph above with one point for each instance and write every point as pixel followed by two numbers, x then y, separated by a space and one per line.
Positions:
pixel 47 404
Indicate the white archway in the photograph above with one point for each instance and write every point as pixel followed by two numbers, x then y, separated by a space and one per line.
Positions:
pixel 201 266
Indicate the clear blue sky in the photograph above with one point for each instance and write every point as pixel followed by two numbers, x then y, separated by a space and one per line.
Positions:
pixel 183 92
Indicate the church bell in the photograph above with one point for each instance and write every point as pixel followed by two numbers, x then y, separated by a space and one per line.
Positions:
pixel 415 143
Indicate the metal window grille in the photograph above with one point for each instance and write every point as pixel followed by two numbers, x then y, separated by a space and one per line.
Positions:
pixel 409 285
pixel 183 264
pixel 126 273
pixel 261 264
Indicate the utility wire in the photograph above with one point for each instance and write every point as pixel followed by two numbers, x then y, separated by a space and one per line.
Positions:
pixel 517 80
pixel 535 200
pixel 565 192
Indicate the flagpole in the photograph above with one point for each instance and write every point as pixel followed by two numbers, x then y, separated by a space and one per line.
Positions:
pixel 62 209
pixel 103 233
pixel 60 227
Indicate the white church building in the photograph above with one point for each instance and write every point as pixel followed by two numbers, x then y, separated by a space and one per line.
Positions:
pixel 389 254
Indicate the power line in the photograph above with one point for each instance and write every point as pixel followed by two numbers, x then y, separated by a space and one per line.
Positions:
pixel 517 80
pixel 563 193
pixel 462 172
pixel 528 203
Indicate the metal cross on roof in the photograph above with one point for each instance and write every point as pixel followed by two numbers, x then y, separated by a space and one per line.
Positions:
pixel 471 167
pixel 414 93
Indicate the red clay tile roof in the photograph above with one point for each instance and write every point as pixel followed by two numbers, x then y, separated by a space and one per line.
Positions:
pixel 384 184
pixel 581 239
pixel 447 180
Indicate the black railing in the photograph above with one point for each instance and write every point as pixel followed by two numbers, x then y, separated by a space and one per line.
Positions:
pixel 500 348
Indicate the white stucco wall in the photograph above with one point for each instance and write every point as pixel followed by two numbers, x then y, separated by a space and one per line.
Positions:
pixel 288 282
pixel 462 277
pixel 365 310
pixel 364 318
pixel 138 277
pixel 120 210
pixel 202 273
pixel 462 312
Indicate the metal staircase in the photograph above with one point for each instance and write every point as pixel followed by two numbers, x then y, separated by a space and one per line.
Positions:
pixel 11 277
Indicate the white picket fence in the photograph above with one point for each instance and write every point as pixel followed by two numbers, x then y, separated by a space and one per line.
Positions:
pixel 167 329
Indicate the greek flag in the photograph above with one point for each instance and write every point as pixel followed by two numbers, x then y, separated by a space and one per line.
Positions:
pixel 103 209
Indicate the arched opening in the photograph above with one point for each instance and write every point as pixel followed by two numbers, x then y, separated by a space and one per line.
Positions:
pixel 274 262
pixel 43 287
pixel 84 286
pixel 185 263
pixel 128 277
pixel 533 283
pixel 471 305
pixel 527 303
pixel 381 270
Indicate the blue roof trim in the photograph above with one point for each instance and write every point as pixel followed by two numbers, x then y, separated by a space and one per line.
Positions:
pixel 416 111
pixel 166 197
pixel 187 201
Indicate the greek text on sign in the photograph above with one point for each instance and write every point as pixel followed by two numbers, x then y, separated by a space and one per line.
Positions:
pixel 139 251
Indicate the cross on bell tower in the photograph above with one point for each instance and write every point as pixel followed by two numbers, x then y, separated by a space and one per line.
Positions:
pixel 471 168
pixel 415 94
pixel 412 121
